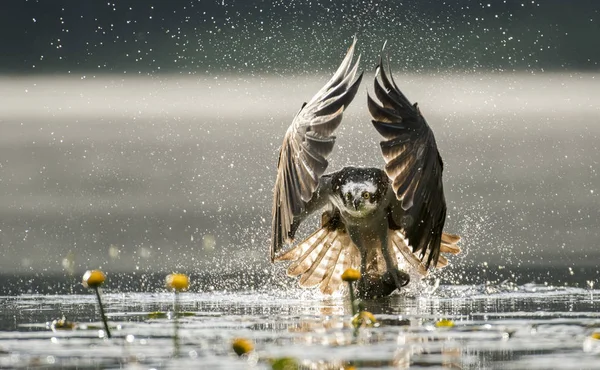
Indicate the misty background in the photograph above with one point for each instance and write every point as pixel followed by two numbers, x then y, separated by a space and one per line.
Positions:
pixel 140 136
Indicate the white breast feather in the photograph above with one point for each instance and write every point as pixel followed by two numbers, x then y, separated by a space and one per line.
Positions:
pixel 355 188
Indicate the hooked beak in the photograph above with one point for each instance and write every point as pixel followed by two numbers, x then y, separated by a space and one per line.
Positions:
pixel 357 202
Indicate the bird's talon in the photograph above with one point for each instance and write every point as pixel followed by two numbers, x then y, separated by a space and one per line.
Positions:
pixel 402 277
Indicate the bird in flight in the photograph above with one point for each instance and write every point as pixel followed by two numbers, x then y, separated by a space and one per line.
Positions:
pixel 386 222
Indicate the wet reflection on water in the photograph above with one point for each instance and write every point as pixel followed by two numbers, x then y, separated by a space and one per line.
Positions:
pixel 530 326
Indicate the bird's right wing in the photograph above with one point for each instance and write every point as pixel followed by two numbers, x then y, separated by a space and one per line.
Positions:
pixel 306 146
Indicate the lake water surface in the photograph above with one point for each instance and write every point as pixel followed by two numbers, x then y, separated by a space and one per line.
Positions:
pixel 495 327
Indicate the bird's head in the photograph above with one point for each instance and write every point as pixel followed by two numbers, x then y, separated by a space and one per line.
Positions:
pixel 360 190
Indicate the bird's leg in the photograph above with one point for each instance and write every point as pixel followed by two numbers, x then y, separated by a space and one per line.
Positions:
pixel 367 287
pixel 370 285
pixel 393 276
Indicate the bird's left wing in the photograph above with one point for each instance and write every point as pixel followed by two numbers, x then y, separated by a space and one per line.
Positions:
pixel 413 165
pixel 306 146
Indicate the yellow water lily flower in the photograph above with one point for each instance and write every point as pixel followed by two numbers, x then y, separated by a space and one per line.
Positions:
pixel 242 346
pixel 178 282
pixel 351 275
pixel 93 278
pixel 364 318
pixel 62 324
pixel 444 323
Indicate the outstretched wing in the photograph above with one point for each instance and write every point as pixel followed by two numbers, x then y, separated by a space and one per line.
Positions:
pixel 306 146
pixel 413 165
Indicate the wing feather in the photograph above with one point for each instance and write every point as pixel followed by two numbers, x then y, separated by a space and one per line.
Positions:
pixel 449 242
pixel 323 256
pixel 300 250
pixel 413 165
pixel 306 260
pixel 314 275
pixel 333 278
pixel 403 252
pixel 306 146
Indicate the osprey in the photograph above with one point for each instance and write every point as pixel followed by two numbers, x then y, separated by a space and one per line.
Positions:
pixel 386 222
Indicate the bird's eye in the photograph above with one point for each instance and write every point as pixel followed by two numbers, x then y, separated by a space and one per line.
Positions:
pixel 366 195
pixel 348 196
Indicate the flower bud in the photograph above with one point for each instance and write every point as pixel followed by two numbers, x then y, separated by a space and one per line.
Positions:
pixel 93 278
pixel 351 275
pixel 242 346
pixel 177 282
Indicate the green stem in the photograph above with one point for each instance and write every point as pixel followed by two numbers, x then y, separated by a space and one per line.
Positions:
pixel 176 323
pixel 352 299
pixel 102 313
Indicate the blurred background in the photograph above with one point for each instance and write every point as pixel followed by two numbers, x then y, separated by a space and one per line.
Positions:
pixel 140 136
